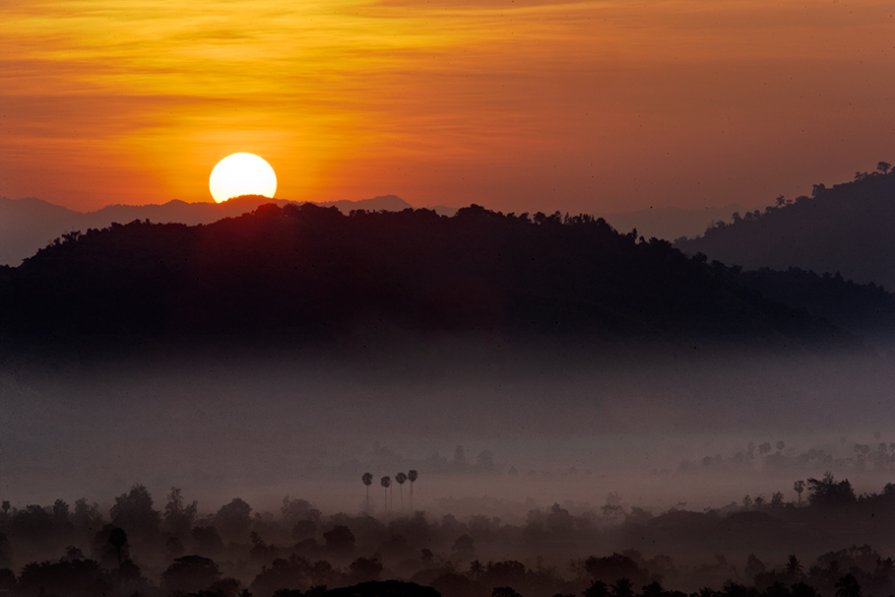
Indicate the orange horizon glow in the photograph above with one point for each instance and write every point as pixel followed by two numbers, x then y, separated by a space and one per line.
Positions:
pixel 521 106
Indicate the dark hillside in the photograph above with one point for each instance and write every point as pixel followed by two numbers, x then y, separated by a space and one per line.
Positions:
pixel 304 271
pixel 846 229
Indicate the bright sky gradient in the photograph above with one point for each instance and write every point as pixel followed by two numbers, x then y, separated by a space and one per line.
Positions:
pixel 519 105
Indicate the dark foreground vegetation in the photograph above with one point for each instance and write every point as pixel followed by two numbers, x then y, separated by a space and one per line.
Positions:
pixel 773 548
pixel 307 272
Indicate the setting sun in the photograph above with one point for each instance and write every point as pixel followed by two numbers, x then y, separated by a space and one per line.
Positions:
pixel 242 174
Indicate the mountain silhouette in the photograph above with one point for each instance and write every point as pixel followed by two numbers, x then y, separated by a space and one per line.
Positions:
pixel 26 225
pixel 845 229
pixel 306 272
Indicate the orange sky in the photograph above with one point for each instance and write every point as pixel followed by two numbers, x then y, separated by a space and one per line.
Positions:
pixel 520 105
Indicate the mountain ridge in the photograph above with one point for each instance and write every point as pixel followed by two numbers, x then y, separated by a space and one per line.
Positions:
pixel 306 272
pixel 28 224
pixel 844 229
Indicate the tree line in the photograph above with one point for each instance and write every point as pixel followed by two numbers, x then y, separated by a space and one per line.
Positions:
pixel 135 548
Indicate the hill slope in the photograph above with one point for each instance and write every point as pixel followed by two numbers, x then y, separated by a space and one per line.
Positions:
pixel 845 229
pixel 866 310
pixel 26 225
pixel 305 271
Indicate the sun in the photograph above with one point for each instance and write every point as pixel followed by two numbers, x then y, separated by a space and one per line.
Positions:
pixel 242 174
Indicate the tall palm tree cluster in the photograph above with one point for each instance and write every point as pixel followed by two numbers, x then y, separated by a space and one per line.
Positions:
pixel 386 482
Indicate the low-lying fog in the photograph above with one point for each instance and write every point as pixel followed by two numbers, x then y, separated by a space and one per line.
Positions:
pixel 537 425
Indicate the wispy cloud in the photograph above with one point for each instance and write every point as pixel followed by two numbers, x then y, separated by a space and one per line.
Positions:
pixel 513 102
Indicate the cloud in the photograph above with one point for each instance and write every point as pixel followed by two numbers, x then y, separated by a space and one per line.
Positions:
pixel 523 99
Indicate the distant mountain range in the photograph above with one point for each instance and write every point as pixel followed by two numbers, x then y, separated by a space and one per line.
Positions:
pixel 846 229
pixel 307 272
pixel 27 225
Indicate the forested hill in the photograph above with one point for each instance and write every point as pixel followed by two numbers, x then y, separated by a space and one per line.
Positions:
pixel 26 225
pixel 308 272
pixel 846 229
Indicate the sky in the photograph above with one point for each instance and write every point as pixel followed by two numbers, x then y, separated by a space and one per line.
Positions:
pixel 583 106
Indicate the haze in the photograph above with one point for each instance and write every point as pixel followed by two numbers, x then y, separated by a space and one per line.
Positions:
pixel 578 298
pixel 576 422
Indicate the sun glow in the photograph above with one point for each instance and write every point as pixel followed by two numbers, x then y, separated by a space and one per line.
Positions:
pixel 242 174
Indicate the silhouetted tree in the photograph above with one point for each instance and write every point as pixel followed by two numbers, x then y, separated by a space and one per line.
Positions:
pixel 295 509
pixel 339 540
pixel 463 548
pixel 118 540
pixel 386 482
pixel 365 569
pixel 401 478
pixel 597 588
pixel 623 588
pixel 829 492
pixel 282 574
pixel 754 566
pixel 412 476
pixel 304 529
pixel 367 479
pixel 110 546
pixel 234 519
pixel 72 578
pixel 173 546
pixel 793 568
pixel 507 572
pixel 133 512
pixel 86 517
pixel 610 569
pixel 179 518
pixel 207 540
pixel 848 586
pixel 190 574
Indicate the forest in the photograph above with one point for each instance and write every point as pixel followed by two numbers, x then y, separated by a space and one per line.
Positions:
pixel 777 548
pixel 256 384
pixel 843 229
pixel 306 273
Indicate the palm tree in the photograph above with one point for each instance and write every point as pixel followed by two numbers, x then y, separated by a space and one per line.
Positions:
pixel 367 478
pixel 793 566
pixel 401 478
pixel 412 476
pixel 386 483
pixel 118 540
